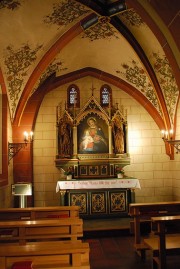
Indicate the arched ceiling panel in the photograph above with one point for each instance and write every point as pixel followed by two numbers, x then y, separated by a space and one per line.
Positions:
pixel 31 29
pixel 157 58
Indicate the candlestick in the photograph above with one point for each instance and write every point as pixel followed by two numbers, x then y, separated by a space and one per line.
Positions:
pixel 167 136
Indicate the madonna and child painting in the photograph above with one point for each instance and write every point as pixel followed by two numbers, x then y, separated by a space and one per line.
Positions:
pixel 93 136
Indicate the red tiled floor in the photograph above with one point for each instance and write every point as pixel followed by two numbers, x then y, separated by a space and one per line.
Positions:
pixel 112 246
pixel 118 253
pixel 114 253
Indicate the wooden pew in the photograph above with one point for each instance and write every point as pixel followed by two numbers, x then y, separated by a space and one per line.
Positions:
pixel 163 244
pixel 144 211
pixel 55 254
pixel 48 239
pixel 33 213
pixel 25 231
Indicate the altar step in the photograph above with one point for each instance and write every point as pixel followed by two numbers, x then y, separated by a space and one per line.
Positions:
pixel 106 224
pixel 113 226
pixel 106 227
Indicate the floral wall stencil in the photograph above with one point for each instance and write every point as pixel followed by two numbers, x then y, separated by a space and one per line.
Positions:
pixel 138 78
pixel 17 63
pixel 10 4
pixel 131 18
pixel 167 83
pixel 65 13
pixel 102 30
pixel 158 60
pixel 56 66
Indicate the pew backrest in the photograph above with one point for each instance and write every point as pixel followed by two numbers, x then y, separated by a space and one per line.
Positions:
pixel 26 231
pixel 61 254
pixel 154 209
pixel 33 213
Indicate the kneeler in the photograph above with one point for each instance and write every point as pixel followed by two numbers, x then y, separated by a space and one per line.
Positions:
pixel 22 265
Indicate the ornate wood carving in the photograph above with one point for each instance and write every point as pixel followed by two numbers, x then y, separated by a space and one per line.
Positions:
pixel 91 134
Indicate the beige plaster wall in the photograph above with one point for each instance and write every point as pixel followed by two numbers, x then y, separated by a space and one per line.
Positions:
pixel 149 162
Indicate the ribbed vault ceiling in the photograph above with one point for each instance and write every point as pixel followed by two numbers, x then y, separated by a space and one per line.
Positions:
pixel 135 42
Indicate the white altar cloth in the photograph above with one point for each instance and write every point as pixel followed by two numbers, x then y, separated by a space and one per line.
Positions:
pixel 128 183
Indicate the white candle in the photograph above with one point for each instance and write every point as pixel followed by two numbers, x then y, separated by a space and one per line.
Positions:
pixel 31 136
pixel 163 134
pixel 25 136
pixel 171 133
pixel 166 135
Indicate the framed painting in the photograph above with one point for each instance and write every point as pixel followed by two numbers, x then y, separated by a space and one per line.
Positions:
pixel 93 135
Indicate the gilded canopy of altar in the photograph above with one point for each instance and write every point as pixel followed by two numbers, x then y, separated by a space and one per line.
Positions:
pixel 129 183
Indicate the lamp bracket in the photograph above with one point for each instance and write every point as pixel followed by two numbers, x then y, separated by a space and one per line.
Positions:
pixel 14 148
pixel 175 144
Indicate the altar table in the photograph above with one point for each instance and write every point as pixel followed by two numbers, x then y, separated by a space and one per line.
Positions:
pixel 99 197
pixel 129 183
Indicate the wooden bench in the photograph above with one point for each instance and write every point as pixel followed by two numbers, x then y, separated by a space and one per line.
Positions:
pixel 45 237
pixel 32 213
pixel 24 231
pixel 144 211
pixel 60 254
pixel 163 244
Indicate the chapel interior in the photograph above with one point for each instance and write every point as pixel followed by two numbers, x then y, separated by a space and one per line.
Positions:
pixel 90 89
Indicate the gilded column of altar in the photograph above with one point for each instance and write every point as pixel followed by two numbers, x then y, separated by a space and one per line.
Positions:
pixel 127 141
pixel 75 141
pixel 110 140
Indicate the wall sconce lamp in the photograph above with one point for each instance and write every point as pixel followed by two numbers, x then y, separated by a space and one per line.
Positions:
pixel 167 137
pixel 14 148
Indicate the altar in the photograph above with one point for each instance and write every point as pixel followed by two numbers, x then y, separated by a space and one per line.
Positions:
pixel 99 197
pixel 92 147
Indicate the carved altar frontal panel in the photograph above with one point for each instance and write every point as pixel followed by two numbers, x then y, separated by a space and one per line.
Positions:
pixel 81 200
pixel 117 201
pixel 98 201
pixel 92 171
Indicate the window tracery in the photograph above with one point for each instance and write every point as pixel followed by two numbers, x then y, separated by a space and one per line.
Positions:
pixel 105 96
pixel 73 96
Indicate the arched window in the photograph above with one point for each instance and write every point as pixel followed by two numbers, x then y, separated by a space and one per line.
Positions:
pixel 105 96
pixel 73 96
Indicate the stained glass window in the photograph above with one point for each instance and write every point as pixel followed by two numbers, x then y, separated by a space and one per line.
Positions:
pixel 105 95
pixel 73 96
